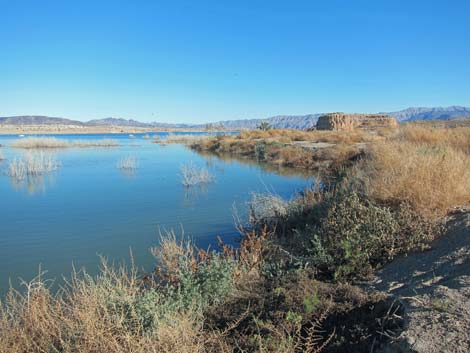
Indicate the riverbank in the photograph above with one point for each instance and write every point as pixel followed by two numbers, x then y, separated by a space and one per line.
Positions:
pixel 296 282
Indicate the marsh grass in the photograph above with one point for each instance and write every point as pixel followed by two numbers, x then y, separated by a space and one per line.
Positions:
pixel 52 142
pixel 32 164
pixel 192 175
pixel 128 163
pixel 185 138
pixel 428 169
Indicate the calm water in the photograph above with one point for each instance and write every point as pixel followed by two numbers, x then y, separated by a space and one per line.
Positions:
pixel 89 207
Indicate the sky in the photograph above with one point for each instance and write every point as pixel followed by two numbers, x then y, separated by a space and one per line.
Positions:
pixel 204 61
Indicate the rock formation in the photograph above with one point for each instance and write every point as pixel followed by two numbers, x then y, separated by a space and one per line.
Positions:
pixel 349 122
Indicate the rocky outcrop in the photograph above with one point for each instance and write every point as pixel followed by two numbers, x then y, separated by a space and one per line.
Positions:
pixel 349 122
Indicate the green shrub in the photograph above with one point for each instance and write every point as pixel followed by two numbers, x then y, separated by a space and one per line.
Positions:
pixel 260 151
pixel 209 284
pixel 356 236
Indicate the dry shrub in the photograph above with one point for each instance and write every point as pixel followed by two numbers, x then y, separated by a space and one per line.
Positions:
pixel 85 318
pixel 432 178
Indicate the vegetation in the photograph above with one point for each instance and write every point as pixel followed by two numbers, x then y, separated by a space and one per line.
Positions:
pixel 182 138
pixel 127 163
pixel 52 142
pixel 192 175
pixel 291 148
pixel 428 168
pixel 31 165
pixel 264 126
pixel 292 284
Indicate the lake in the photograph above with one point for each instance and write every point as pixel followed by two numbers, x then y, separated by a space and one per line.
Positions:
pixel 89 207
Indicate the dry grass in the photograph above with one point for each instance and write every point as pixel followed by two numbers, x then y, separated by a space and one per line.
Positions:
pixel 186 139
pixel 128 163
pixel 192 175
pixel 32 165
pixel 291 135
pixel 428 168
pixel 52 142
pixel 87 317
pixel 456 138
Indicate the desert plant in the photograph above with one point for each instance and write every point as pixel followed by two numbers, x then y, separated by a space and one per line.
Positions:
pixel 264 126
pixel 193 175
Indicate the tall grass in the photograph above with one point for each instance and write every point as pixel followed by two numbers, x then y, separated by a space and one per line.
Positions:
pixel 52 142
pixel 128 163
pixel 184 138
pixel 427 168
pixel 192 175
pixel 32 164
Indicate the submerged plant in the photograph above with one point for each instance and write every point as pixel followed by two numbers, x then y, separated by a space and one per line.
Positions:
pixel 128 163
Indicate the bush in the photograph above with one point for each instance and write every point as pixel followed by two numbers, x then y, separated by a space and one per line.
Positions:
pixel 357 236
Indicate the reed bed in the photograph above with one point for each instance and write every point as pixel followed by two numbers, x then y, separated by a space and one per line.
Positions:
pixel 32 165
pixel 128 163
pixel 53 142
pixel 192 175
pixel 186 139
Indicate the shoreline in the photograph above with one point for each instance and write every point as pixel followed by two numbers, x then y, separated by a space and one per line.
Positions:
pixel 6 129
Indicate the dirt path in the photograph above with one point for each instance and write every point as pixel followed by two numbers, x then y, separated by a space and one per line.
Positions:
pixel 434 287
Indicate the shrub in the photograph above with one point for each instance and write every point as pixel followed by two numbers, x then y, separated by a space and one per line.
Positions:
pixel 260 151
pixel 356 236
pixel 192 175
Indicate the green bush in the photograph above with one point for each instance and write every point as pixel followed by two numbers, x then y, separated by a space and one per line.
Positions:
pixel 209 284
pixel 260 151
pixel 356 236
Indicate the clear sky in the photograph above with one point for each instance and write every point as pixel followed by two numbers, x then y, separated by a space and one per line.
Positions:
pixel 199 61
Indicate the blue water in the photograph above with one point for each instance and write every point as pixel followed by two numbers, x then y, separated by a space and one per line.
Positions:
pixel 89 207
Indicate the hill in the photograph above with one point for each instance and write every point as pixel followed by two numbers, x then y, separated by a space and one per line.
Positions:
pixel 280 121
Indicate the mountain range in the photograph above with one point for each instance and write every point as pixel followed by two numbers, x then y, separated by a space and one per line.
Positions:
pixel 281 121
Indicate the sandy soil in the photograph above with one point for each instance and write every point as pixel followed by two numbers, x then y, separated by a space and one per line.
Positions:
pixel 434 287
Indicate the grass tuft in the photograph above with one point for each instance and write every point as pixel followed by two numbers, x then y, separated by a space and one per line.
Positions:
pixel 127 163
pixel 192 175
pixel 33 164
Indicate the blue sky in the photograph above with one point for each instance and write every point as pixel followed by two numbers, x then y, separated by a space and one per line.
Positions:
pixel 198 61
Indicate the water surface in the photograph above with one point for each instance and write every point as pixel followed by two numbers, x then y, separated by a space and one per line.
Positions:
pixel 89 207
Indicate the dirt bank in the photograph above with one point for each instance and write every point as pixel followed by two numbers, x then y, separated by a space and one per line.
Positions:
pixel 434 287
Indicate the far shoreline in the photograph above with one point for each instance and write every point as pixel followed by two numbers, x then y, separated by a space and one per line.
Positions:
pixel 8 129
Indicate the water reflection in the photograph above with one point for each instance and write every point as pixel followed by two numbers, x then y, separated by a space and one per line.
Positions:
pixel 34 184
pixel 228 158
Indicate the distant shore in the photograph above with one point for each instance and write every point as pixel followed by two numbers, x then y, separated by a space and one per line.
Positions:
pixel 8 129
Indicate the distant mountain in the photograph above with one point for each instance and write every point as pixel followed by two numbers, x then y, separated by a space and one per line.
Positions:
pixel 281 121
pixel 38 120
pixel 116 122
pixel 411 114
